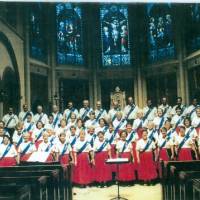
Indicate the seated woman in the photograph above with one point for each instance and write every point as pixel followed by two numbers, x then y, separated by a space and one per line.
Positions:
pixel 8 153
pixel 48 147
pixel 26 148
pixel 102 149
pixel 63 150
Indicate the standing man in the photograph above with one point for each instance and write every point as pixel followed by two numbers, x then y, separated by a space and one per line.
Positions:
pixel 57 116
pixel 149 112
pixel 165 107
pixel 130 111
pixel 100 112
pixel 191 110
pixel 112 112
pixel 24 113
pixel 40 116
pixel 10 121
pixel 67 113
pixel 84 112
pixel 180 105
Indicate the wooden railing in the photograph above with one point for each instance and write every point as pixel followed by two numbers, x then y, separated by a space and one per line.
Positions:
pixel 36 182
pixel 179 180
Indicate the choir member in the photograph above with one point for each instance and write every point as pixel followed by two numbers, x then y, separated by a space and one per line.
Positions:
pixel 72 121
pixel 2 133
pixel 180 105
pixel 91 121
pixel 100 112
pixel 184 145
pixel 37 133
pixel 64 150
pixel 112 112
pixel 73 137
pixel 160 119
pixel 79 126
pixel 119 123
pixel 62 128
pixel 85 111
pixel 8 153
pixel 83 173
pixel 139 123
pixel 124 150
pixel 48 147
pixel 102 126
pixel 57 116
pixel 145 156
pixel 177 119
pixel 68 112
pixel 24 113
pixel 40 116
pixel 102 152
pixel 196 121
pixel 165 107
pixel 18 135
pixel 26 148
pixel 190 111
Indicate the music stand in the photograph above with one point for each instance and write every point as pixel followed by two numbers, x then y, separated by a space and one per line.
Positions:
pixel 118 161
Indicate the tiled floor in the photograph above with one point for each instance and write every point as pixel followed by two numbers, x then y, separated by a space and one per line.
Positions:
pixel 136 192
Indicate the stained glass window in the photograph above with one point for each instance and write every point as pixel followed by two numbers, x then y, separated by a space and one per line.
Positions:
pixel 114 35
pixel 193 28
pixel 69 34
pixel 160 32
pixel 38 45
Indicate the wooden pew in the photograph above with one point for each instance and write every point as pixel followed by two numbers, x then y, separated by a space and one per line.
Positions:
pixel 177 179
pixel 36 181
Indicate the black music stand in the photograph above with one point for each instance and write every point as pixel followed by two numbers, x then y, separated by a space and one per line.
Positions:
pixel 118 161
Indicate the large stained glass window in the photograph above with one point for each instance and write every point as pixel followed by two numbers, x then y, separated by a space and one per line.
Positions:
pixel 38 46
pixel 115 35
pixel 160 32
pixel 193 28
pixel 69 34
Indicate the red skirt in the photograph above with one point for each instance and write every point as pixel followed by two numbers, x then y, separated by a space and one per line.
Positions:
pixel 7 162
pixel 163 154
pixel 64 160
pixel 198 131
pixel 126 171
pixel 102 171
pixel 25 157
pixel 113 155
pixel 134 155
pixel 147 167
pixel 83 172
pixel 50 158
pixel 185 154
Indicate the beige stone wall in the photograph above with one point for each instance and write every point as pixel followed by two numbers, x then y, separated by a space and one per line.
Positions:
pixel 18 48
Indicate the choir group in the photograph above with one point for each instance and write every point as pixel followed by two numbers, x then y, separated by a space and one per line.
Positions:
pixel 86 138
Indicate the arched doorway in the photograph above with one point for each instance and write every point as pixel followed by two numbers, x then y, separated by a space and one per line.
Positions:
pixel 10 88
pixel 10 82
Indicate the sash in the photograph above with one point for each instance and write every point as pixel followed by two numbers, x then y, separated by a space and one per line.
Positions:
pixel 183 108
pixel 102 146
pixel 147 144
pixel 25 116
pixel 29 127
pixel 147 114
pixel 19 142
pixel 165 141
pixel 140 124
pixel 40 134
pixel 124 146
pixel 70 112
pixel 187 136
pixel 92 140
pixel 130 111
pixel 192 111
pixel 105 129
pixel 40 118
pixel 178 122
pixel 64 149
pixel 161 122
pixel 151 136
pixel 56 120
pixel 85 113
pixel 83 147
pixel 131 136
pixel 164 112
pixel 115 131
pixel 6 151
pixel 8 122
pixel 52 139
pixel 48 147
pixel 26 149
pixel 99 115
pixel 73 141
pixel 170 132
pixel 198 125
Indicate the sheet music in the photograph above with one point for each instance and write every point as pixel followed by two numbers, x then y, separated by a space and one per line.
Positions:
pixel 117 160
pixel 38 157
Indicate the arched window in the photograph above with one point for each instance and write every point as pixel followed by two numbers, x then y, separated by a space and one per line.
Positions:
pixel 38 44
pixel 114 35
pixel 69 34
pixel 160 32
pixel 193 28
